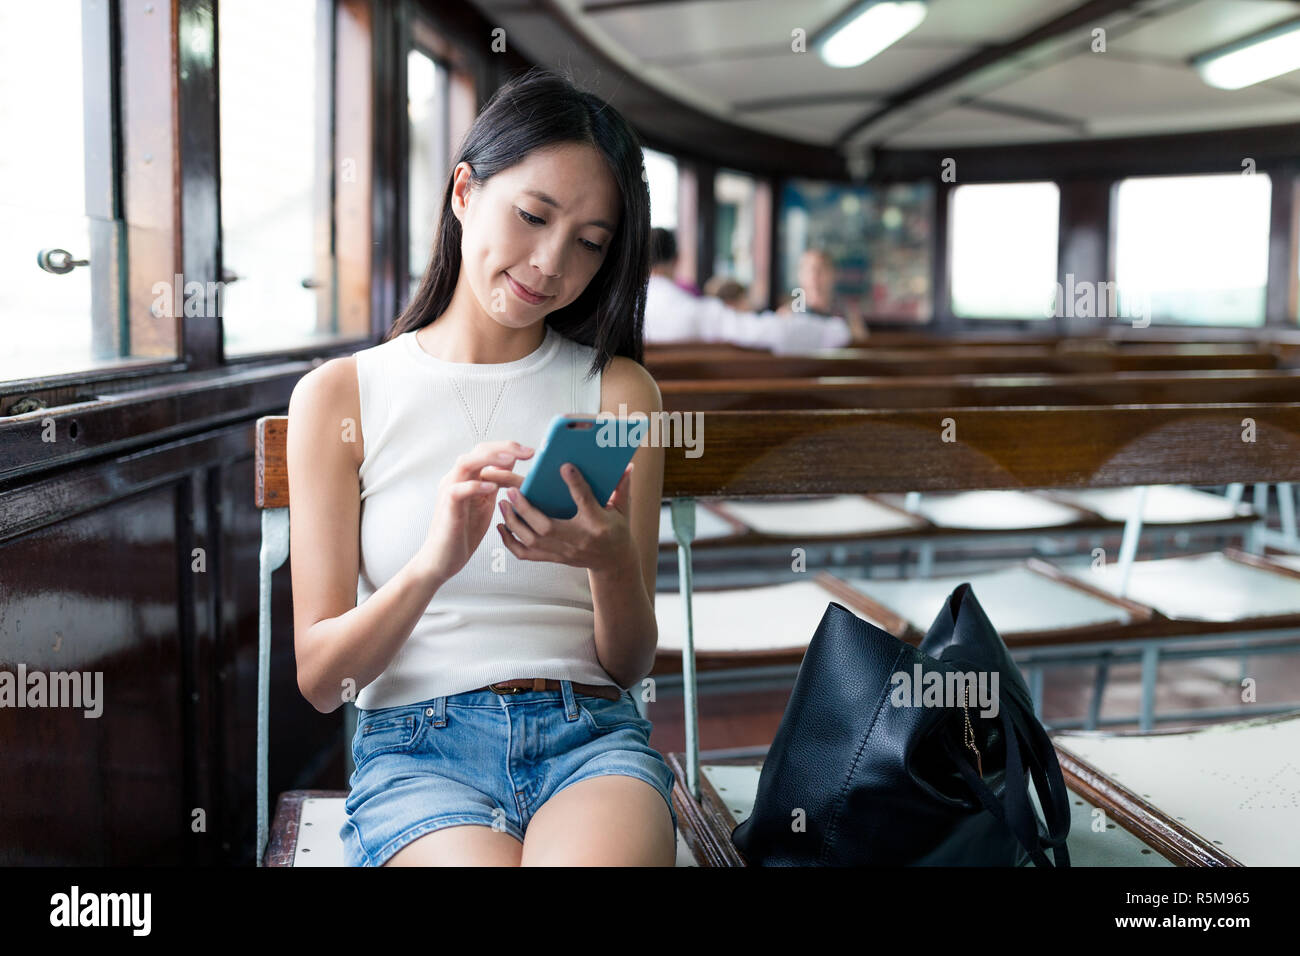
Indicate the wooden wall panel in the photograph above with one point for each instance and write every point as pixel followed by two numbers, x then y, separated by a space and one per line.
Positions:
pixel 99 573
pixel 97 593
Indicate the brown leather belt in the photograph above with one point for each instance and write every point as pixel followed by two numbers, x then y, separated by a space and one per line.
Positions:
pixel 522 684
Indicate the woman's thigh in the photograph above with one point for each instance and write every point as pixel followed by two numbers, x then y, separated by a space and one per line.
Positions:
pixel 464 780
pixel 465 845
pixel 609 820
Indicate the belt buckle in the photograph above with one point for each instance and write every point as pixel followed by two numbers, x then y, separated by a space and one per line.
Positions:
pixel 505 690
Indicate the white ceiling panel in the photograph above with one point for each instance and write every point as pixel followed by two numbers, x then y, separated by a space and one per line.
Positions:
pixel 960 126
pixel 793 74
pixel 985 21
pixel 676 31
pixel 722 55
pixel 1202 26
pixel 1112 93
pixel 814 124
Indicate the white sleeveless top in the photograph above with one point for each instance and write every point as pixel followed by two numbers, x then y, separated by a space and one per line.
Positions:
pixel 499 617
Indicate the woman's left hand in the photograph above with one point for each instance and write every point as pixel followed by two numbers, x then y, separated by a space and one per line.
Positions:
pixel 597 538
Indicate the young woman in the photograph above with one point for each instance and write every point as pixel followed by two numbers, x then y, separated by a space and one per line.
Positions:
pixel 489 666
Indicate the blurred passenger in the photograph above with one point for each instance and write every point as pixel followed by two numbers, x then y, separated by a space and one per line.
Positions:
pixel 816 277
pixel 674 315
pixel 730 292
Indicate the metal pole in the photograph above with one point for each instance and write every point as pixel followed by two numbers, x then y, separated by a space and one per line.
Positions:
pixel 274 551
pixel 1129 543
pixel 683 514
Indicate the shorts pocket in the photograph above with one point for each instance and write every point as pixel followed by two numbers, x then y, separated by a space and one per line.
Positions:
pixel 605 715
pixel 390 730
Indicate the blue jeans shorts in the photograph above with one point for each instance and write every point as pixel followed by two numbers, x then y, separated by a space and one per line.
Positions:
pixel 485 758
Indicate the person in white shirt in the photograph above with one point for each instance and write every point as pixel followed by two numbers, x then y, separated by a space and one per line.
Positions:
pixel 816 277
pixel 674 315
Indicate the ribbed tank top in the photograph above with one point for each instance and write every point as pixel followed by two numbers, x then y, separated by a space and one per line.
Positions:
pixel 499 617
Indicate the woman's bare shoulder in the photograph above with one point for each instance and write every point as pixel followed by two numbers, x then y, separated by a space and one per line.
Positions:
pixel 329 397
pixel 626 382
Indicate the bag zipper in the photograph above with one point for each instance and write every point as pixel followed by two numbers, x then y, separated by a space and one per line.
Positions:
pixel 968 736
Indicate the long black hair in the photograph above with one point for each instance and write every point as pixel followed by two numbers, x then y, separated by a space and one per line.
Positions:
pixel 535 110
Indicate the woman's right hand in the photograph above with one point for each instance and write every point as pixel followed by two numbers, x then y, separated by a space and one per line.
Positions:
pixel 466 503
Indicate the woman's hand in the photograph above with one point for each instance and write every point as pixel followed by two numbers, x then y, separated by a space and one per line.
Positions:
pixel 464 507
pixel 596 538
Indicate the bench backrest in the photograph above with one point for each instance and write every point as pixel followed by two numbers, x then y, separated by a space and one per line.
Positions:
pixel 1120 388
pixel 728 363
pixel 771 453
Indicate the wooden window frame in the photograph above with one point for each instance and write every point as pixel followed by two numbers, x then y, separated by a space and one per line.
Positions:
pixel 344 191
pixel 165 159
pixel 459 103
pixel 168 171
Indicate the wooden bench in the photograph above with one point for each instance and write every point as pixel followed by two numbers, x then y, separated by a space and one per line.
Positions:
pixel 828 452
pixel 762 454
pixel 888 527
pixel 708 363
pixel 1169 798
pixel 747 542
pixel 950 391
pixel 1184 607
pixel 1118 335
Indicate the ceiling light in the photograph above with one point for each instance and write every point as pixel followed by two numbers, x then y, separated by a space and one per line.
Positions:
pixel 867 29
pixel 1259 58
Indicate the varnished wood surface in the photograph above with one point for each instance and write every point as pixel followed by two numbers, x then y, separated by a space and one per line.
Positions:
pixel 706 825
pixel 849 451
pixel 143 567
pixel 921 335
pixel 1118 388
pixel 744 454
pixel 271 489
pixel 964 360
pixel 127 419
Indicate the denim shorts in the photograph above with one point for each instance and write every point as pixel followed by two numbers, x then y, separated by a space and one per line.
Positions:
pixel 485 758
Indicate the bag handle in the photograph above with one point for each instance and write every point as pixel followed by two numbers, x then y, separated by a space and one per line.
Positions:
pixel 1046 771
pixel 1017 815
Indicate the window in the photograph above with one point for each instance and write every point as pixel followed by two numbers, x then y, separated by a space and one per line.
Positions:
pixel 1003 250
pixel 1193 249
pixel 878 238
pixel 428 113
pixel 441 105
pixel 58 191
pixel 275 210
pixel 661 173
pixel 733 252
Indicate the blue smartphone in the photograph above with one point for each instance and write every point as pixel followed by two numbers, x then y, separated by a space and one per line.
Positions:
pixel 599 448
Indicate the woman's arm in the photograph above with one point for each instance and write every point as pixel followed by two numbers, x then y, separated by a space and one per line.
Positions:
pixel 623 594
pixel 340 647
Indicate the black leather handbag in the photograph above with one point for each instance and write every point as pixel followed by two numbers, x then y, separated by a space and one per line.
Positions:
pixel 883 757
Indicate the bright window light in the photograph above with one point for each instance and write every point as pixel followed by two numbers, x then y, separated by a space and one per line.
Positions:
pixel 661 175
pixel 1194 249
pixel 1003 249
pixel 870 29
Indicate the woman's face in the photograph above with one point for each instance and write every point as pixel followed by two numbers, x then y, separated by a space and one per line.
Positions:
pixel 545 225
